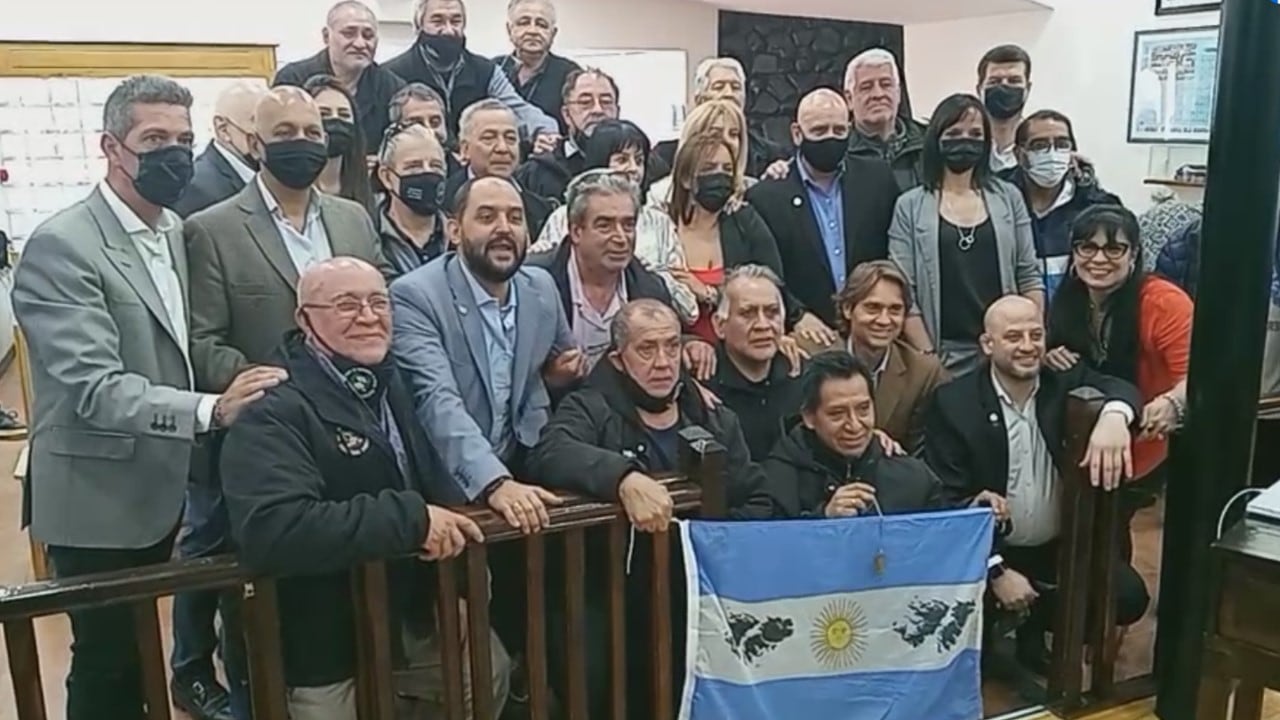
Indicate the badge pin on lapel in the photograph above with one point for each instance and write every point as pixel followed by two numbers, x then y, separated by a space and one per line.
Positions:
pixel 797 201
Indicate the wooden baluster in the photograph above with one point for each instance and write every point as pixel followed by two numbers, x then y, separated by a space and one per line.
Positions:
pixel 24 668
pixel 478 632
pixel 155 688
pixel 450 632
pixel 374 694
pixel 263 650
pixel 575 612
pixel 1102 593
pixel 660 597
pixel 618 616
pixel 535 651
pixel 702 460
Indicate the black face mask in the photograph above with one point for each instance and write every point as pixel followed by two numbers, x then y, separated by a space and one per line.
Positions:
pixel 1004 101
pixel 420 192
pixel 163 174
pixel 641 397
pixel 961 154
pixel 367 382
pixel 713 191
pixel 295 163
pixel 340 132
pixel 446 48
pixel 824 155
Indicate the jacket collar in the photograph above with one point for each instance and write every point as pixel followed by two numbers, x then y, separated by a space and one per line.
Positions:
pixel 608 381
pixel 729 376
pixel 800 447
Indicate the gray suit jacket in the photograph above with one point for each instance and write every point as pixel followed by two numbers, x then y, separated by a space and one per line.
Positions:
pixel 913 245
pixel 244 285
pixel 439 345
pixel 114 417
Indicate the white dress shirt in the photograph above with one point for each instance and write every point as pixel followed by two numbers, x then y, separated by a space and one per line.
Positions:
pixel 306 247
pixel 153 248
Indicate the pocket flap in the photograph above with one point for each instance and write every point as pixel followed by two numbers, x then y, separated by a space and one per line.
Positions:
pixel 90 443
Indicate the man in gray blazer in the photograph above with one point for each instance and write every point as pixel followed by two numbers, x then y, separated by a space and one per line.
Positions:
pixel 477 336
pixel 246 255
pixel 101 296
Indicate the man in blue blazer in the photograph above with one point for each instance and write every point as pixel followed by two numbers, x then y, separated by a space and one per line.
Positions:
pixel 478 336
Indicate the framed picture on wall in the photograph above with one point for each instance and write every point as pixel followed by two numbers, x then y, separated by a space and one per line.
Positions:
pixel 1177 7
pixel 1173 85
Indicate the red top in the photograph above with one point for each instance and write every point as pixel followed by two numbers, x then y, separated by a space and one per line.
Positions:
pixel 1164 349
pixel 711 277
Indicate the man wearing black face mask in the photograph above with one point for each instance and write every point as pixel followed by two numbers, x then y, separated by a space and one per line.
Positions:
pixel 225 166
pixel 832 210
pixel 440 60
pixel 1004 82
pixel 608 441
pixel 411 167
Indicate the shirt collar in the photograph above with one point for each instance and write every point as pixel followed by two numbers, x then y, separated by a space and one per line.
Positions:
pixel 1004 396
pixel 879 369
pixel 273 205
pixel 575 283
pixel 570 148
pixel 129 220
pixel 482 296
pixel 809 180
pixel 245 172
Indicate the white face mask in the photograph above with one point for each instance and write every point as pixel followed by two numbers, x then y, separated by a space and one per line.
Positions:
pixel 1046 168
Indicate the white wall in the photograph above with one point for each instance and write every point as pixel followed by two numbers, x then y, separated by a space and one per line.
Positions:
pixel 1082 56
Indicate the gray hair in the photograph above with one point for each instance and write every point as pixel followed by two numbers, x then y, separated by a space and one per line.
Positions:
pixel 515 5
pixel 413 91
pixel 750 271
pixel 420 5
pixel 701 76
pixel 348 5
pixel 117 113
pixel 387 156
pixel 875 57
pixel 594 183
pixel 486 105
pixel 620 328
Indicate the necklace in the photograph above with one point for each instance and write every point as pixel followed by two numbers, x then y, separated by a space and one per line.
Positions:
pixel 966 237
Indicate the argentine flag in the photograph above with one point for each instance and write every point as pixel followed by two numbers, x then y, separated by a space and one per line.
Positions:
pixel 870 618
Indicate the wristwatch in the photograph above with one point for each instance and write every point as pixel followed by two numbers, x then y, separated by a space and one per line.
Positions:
pixel 995 571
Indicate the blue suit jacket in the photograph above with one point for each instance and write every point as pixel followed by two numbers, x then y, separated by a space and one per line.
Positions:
pixel 439 344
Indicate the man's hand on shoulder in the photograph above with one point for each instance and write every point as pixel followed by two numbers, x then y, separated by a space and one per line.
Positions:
pixel 448 533
pixel 522 506
pixel 247 387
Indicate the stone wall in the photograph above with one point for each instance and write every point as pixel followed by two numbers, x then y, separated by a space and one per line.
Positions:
pixel 786 57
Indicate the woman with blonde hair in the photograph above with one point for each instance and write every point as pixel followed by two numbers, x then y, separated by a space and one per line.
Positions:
pixel 716 118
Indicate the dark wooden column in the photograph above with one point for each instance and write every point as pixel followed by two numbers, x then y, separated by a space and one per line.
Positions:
pixel 1236 258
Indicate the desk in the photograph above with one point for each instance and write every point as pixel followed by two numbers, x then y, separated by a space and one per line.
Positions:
pixel 1242 640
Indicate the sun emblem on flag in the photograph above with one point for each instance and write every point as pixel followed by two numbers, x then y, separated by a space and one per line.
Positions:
pixel 839 635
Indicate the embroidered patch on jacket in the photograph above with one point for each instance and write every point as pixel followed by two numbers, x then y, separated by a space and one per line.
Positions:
pixel 362 382
pixel 350 443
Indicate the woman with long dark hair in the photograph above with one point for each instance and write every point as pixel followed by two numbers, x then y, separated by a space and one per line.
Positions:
pixel 1112 314
pixel 346 174
pixel 621 146
pixel 963 239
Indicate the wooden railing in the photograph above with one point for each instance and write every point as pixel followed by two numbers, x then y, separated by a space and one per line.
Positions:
pixel 698 491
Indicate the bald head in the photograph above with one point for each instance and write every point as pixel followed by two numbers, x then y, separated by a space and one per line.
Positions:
pixel 238 101
pixel 1008 310
pixel 344 310
pixel 284 114
pixel 822 115
pixel 1013 338
pixel 322 279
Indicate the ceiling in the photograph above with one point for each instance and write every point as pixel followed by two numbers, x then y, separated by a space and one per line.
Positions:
pixel 898 12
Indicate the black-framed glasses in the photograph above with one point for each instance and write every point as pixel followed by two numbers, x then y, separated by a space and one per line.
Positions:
pixel 1112 251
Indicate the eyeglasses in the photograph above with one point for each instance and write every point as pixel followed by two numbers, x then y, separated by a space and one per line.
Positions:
pixel 1114 251
pixel 379 305
pixel 1041 144
pixel 586 103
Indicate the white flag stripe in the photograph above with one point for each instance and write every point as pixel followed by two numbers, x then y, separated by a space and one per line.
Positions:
pixel 890 630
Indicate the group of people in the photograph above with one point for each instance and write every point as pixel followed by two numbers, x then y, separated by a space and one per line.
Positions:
pixel 387 291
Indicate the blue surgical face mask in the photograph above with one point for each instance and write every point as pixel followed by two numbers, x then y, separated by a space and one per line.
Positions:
pixel 1046 168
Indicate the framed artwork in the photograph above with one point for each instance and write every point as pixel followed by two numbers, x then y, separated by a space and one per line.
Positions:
pixel 1178 7
pixel 1173 85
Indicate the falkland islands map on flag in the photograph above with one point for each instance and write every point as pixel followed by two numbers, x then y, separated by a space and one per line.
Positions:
pixel 865 618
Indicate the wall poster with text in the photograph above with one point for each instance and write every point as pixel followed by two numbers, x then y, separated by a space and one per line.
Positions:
pixel 1173 85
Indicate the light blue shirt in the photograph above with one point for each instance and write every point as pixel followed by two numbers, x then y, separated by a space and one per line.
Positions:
pixel 828 212
pixel 500 346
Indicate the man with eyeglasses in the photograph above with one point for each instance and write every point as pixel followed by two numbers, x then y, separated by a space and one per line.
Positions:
pixel 1057 187
pixel 330 471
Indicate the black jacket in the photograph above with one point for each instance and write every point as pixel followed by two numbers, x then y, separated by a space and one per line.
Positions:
pixel 548 174
pixel 373 92
pixel 313 488
pixel 804 474
pixel 467 83
pixel 869 193
pixel 641 282
pixel 536 207
pixel 545 90
pixel 214 181
pixel 967 442
pixel 595 438
pixel 761 407
pixel 903 153
pixel 403 255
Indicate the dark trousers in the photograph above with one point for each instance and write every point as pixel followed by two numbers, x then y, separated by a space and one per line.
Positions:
pixel 195 637
pixel 105 680
pixel 1039 564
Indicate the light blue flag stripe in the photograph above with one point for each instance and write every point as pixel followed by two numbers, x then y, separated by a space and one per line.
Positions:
pixel 940 548
pixel 950 693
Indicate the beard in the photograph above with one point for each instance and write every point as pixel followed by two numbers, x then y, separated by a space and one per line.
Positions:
pixel 477 257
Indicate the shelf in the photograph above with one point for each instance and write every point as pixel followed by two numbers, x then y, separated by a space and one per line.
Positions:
pixel 1173 183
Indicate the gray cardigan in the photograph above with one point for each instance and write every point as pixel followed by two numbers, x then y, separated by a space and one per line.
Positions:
pixel 913 245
